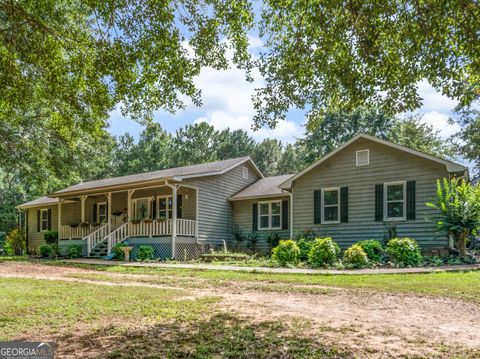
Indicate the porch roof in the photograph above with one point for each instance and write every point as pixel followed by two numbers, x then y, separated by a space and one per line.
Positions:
pixel 175 174
pixel 42 201
pixel 264 187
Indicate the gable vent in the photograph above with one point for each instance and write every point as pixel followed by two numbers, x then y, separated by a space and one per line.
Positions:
pixel 363 158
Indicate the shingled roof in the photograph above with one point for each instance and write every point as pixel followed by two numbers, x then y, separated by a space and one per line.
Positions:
pixel 42 201
pixel 177 174
pixel 264 187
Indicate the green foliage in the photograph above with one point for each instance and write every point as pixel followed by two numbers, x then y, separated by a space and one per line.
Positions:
pixel 389 232
pixel 286 253
pixel 50 237
pixel 273 239
pixel 145 253
pixel 304 245
pixel 74 251
pixel 458 206
pixel 307 233
pixel 355 256
pixel 324 252
pixel 368 53
pixel 47 251
pixel 467 140
pixel 267 155
pixel 118 252
pixel 15 242
pixel 372 248
pixel 404 252
pixel 252 238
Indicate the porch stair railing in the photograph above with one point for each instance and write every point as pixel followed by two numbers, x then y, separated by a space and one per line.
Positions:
pixel 117 236
pixel 94 238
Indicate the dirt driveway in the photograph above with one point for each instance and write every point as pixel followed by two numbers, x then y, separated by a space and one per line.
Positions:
pixel 369 323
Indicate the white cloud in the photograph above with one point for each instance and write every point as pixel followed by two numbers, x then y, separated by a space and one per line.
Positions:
pixel 433 100
pixel 439 121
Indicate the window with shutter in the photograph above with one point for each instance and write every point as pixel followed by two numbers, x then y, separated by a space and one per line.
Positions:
pixel 44 219
pixel 331 205
pixel 394 195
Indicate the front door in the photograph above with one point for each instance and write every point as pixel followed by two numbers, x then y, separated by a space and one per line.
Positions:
pixel 101 212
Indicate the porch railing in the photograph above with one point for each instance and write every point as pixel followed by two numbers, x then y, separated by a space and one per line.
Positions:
pixel 94 238
pixel 185 227
pixel 117 236
pixel 77 232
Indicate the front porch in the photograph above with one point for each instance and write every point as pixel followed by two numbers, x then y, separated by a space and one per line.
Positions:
pixel 163 216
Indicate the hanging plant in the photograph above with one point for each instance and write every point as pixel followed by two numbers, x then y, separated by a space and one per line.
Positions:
pixel 117 213
pixel 84 224
pixel 74 225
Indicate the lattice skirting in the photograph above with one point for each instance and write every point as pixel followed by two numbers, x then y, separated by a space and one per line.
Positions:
pixel 188 251
pixel 64 245
pixel 160 250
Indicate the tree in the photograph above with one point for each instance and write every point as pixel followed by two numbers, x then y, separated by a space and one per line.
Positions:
pixel 195 144
pixel 267 155
pixel 153 151
pixel 345 54
pixel 412 133
pixel 292 159
pixel 467 141
pixel 331 129
pixel 233 144
pixel 64 65
pixel 458 203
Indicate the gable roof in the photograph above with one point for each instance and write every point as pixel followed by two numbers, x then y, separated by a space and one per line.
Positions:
pixel 175 174
pixel 264 187
pixel 451 166
pixel 38 202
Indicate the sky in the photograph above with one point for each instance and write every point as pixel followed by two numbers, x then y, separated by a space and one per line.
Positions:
pixel 226 97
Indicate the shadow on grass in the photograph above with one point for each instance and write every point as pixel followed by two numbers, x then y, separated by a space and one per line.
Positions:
pixel 221 336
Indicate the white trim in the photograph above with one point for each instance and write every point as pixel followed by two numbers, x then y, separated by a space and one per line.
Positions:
pixel 135 200
pixel 356 158
pixel 385 213
pixel 245 172
pixel 98 204
pixel 330 189
pixel 291 214
pixel 42 220
pixel 280 195
pixel 269 215
pixel 166 196
pixel 451 166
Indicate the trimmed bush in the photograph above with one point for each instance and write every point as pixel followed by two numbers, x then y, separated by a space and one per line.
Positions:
pixel 145 253
pixel 15 242
pixel 305 245
pixel 74 252
pixel 324 252
pixel 46 251
pixel 286 253
pixel 404 251
pixel 372 248
pixel 355 256
pixel 50 237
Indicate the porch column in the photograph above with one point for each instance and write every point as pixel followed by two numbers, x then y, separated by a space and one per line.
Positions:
pixel 174 219
pixel 82 200
pixel 109 214
pixel 129 203
pixel 59 217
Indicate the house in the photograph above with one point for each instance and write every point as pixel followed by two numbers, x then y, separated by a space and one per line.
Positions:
pixel 353 193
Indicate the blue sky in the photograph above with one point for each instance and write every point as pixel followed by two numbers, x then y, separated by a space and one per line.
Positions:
pixel 226 99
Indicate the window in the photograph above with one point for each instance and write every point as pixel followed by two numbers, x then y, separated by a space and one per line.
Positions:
pixel 245 172
pixel 164 207
pixel 141 208
pixel 331 205
pixel 44 219
pixel 270 215
pixel 363 158
pixel 395 200
pixel 101 212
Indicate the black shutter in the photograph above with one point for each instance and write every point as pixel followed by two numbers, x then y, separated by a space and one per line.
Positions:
pixel 179 206
pixel 49 219
pixel 317 206
pixel 285 214
pixel 411 200
pixel 255 217
pixel 379 202
pixel 344 204
pixel 154 208
pixel 94 213
pixel 38 220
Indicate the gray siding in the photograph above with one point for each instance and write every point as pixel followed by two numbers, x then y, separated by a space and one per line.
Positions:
pixel 35 238
pixel 215 222
pixel 386 165
pixel 242 218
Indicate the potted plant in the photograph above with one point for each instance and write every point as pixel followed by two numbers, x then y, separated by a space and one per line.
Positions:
pixel 74 225
pixel 136 220
pixel 117 213
pixel 84 224
pixel 147 220
pixel 95 224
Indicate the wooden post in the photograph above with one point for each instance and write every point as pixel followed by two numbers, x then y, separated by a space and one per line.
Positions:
pixel 59 217
pixel 83 199
pixel 109 214
pixel 174 219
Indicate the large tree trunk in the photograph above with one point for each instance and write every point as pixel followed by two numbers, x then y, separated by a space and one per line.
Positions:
pixel 461 242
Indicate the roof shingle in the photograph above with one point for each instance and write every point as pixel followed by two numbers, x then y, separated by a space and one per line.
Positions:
pixel 264 187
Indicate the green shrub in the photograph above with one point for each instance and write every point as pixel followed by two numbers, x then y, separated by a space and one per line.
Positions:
pixel 372 248
pixel 273 238
pixel 324 252
pixel 145 253
pixel 355 256
pixel 307 234
pixel 305 245
pixel 46 251
pixel 404 251
pixel 118 252
pixel 50 237
pixel 286 253
pixel 74 251
pixel 15 242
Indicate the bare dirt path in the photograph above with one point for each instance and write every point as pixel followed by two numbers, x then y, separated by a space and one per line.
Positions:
pixel 370 323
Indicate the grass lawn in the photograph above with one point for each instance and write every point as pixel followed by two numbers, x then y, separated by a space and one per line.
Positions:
pixel 462 285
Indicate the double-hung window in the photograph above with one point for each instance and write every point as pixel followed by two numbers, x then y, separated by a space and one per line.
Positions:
pixel 394 194
pixel 141 208
pixel 331 205
pixel 270 214
pixel 165 205
pixel 44 219
pixel 101 212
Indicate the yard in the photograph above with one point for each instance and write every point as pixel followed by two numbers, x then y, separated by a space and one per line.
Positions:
pixel 124 312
